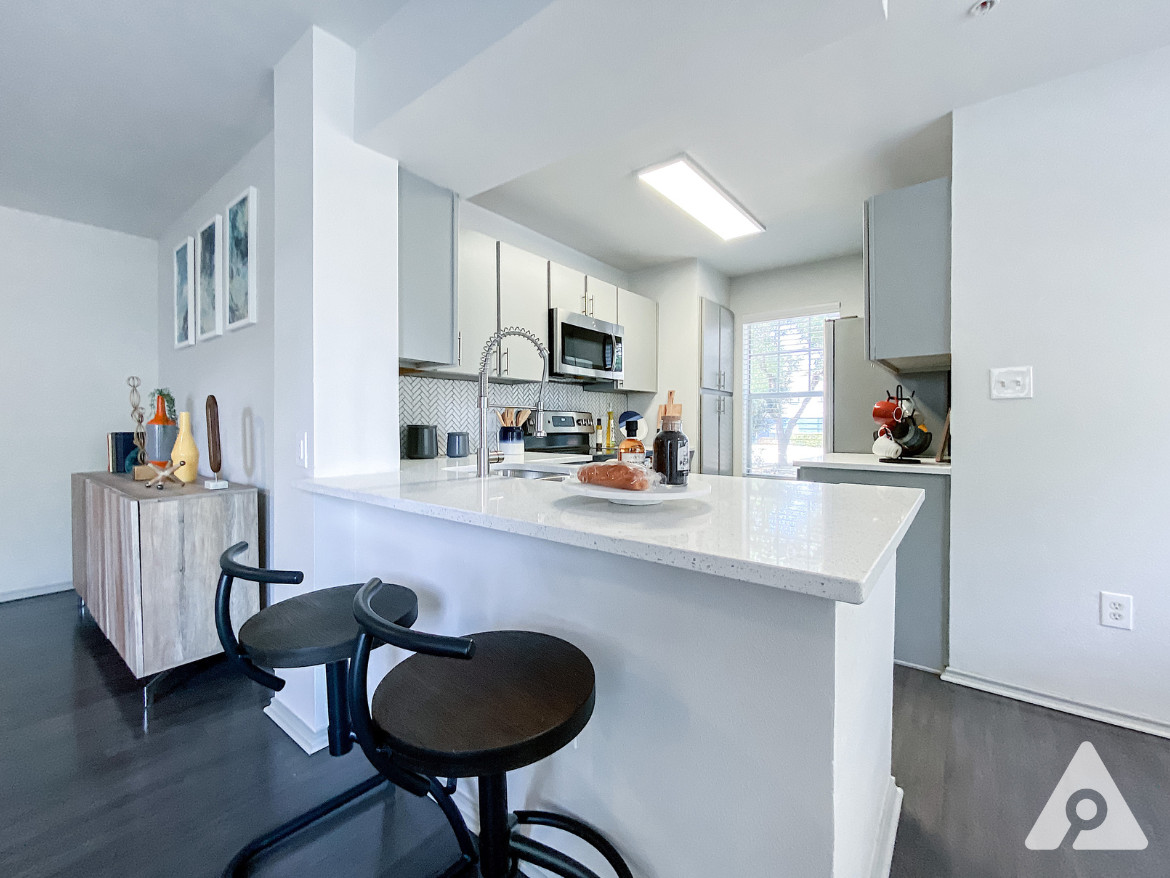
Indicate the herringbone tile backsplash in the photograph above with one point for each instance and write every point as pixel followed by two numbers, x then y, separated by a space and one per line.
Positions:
pixel 453 405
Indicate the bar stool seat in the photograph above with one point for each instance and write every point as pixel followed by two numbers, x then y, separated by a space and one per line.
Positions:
pixel 317 628
pixel 478 706
pixel 525 696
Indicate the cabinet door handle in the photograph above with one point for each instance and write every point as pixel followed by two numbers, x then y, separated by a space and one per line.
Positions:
pixel 459 350
pixel 507 360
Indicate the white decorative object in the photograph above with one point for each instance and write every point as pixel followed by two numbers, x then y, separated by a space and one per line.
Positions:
pixel 209 279
pixel 240 259
pixel 184 267
pixel 694 489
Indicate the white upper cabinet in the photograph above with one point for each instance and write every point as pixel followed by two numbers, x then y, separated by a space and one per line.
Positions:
pixel 566 288
pixel 523 302
pixel 603 300
pixel 638 315
pixel 477 302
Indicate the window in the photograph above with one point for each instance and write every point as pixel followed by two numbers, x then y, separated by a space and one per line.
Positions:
pixel 784 403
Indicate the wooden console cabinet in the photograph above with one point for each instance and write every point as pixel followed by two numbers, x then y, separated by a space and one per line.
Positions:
pixel 146 563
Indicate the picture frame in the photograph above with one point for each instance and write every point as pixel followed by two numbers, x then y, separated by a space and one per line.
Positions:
pixel 184 311
pixel 209 279
pixel 240 259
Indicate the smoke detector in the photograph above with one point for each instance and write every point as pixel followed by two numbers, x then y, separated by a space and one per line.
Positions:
pixel 983 7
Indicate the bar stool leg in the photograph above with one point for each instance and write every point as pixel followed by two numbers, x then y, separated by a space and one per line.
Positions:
pixel 494 827
pixel 340 740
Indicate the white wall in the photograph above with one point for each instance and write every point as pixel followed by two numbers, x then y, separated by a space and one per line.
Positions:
pixel 1061 229
pixel 335 323
pixel 237 367
pixel 798 287
pixel 676 289
pixel 784 291
pixel 77 317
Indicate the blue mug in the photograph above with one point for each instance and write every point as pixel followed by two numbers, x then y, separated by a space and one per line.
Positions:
pixel 458 445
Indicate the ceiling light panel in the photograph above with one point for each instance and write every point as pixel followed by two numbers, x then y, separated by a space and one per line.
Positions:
pixel 684 183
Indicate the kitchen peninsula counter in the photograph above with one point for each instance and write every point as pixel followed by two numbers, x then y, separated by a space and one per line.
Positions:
pixel 742 643
pixel 831 541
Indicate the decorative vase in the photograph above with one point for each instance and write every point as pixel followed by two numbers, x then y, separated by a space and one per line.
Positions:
pixel 160 434
pixel 185 451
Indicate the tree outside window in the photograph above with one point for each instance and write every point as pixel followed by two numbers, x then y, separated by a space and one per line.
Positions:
pixel 784 376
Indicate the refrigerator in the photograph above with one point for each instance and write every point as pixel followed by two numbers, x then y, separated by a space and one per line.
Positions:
pixel 858 383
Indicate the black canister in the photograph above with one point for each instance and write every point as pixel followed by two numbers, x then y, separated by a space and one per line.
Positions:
pixel 422 441
pixel 672 452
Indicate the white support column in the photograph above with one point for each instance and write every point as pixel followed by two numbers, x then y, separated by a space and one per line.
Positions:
pixel 336 328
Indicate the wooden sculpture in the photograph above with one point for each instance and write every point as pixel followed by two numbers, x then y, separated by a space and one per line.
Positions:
pixel 214 455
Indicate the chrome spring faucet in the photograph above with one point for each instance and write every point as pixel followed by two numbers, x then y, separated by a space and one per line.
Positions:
pixel 482 467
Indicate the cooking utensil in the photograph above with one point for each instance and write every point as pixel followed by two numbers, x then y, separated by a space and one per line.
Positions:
pixel 522 417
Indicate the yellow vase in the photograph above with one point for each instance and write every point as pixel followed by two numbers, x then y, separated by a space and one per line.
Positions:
pixel 185 451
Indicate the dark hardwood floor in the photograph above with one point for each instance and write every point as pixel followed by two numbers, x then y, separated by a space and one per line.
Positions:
pixel 84 792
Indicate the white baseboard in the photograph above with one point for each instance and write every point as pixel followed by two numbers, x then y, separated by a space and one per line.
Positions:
pixel 883 849
pixel 935 671
pixel 34 591
pixel 308 739
pixel 1056 702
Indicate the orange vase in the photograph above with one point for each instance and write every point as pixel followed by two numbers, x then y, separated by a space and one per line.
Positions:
pixel 160 434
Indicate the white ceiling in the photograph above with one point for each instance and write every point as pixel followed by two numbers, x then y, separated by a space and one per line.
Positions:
pixel 801 109
pixel 121 113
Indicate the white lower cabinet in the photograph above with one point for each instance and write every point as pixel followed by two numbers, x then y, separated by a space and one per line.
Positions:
pixel 638 316
pixel 523 303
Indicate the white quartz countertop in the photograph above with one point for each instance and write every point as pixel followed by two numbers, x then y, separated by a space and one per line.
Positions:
pixel 837 460
pixel 831 541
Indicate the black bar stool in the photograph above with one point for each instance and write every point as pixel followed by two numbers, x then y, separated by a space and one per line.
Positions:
pixel 517 697
pixel 317 628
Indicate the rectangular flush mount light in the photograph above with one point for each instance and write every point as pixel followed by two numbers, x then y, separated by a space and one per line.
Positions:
pixel 684 183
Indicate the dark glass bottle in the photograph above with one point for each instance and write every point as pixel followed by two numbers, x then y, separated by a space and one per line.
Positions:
pixel 672 452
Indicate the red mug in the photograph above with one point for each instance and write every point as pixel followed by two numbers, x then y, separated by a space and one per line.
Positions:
pixel 887 412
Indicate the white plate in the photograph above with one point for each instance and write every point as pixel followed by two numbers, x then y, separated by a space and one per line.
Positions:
pixel 695 487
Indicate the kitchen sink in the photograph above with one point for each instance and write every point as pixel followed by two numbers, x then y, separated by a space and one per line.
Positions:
pixel 528 472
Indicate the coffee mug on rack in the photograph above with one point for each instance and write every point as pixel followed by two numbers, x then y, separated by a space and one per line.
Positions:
pixel 887 412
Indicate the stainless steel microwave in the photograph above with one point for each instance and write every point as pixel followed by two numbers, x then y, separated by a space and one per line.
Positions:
pixel 584 347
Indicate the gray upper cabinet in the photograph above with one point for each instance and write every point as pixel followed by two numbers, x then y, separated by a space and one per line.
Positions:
pixel 718 338
pixel 907 245
pixel 603 300
pixel 428 224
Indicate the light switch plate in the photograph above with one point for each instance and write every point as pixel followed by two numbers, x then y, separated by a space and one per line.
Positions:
pixel 1011 382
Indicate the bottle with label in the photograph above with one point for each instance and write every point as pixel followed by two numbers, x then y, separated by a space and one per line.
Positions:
pixel 610 433
pixel 672 452
pixel 631 450
pixel 599 437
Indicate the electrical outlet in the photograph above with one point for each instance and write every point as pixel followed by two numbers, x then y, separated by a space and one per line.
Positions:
pixel 1117 610
pixel 1013 382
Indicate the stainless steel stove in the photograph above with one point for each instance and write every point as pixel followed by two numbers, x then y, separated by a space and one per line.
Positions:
pixel 565 433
